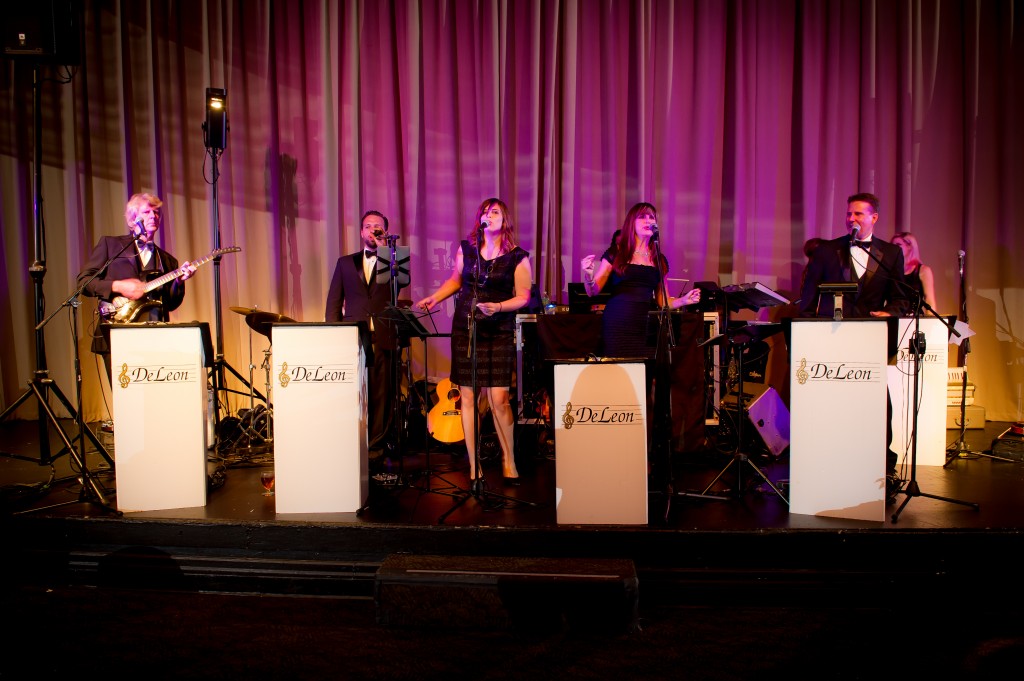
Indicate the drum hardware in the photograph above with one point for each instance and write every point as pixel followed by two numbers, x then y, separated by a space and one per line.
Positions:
pixel 256 422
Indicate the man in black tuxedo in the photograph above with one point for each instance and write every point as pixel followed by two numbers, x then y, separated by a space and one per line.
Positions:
pixel 355 296
pixel 877 268
pixel 122 284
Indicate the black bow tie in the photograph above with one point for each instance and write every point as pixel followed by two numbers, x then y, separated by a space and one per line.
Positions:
pixel 368 253
pixel 866 244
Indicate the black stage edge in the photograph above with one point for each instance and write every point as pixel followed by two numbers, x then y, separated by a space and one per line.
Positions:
pixel 746 550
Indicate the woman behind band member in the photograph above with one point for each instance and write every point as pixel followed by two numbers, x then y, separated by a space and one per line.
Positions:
pixel 503 286
pixel 918 275
pixel 628 274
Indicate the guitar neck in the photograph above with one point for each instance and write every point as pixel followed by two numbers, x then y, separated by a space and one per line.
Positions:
pixel 163 279
pixel 174 274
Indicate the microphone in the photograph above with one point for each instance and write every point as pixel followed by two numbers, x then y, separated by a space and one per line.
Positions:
pixel 960 262
pixel 654 231
pixel 141 231
pixel 854 231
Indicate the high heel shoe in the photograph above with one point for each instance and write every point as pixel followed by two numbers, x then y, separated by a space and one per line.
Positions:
pixel 476 486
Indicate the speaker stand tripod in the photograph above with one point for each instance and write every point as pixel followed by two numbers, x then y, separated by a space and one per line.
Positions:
pixel 753 296
pixel 738 339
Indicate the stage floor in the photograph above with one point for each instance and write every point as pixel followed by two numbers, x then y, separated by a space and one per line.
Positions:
pixel 433 489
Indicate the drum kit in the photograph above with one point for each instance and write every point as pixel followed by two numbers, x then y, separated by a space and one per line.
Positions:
pixel 254 426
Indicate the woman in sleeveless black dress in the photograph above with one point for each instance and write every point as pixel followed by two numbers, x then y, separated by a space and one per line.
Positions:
pixel 917 275
pixel 501 273
pixel 628 274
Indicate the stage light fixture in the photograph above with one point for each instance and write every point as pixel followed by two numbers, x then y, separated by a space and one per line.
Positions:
pixel 216 125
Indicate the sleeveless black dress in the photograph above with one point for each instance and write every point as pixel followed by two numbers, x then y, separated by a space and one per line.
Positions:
pixel 496 352
pixel 624 323
pixel 913 280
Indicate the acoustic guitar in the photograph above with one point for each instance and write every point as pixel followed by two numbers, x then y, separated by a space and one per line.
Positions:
pixel 121 309
pixel 444 421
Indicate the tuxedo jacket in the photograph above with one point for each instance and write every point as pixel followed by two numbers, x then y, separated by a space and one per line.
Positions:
pixel 129 265
pixel 351 299
pixel 880 289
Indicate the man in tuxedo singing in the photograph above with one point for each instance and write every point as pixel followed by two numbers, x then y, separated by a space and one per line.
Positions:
pixel 355 296
pixel 862 257
pixel 877 268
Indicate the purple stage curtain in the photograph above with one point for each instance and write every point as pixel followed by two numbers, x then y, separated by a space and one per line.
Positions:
pixel 746 123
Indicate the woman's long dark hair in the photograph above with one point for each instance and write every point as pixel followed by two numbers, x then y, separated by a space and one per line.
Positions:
pixel 626 244
pixel 508 228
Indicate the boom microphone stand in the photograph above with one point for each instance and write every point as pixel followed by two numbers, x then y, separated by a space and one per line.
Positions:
pixel 41 384
pixel 917 348
pixel 662 368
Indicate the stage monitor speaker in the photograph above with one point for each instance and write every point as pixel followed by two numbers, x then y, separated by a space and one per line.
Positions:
pixel 767 413
pixel 588 595
pixel 48 31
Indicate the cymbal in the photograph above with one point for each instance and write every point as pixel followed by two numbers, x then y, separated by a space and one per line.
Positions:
pixel 244 310
pixel 261 322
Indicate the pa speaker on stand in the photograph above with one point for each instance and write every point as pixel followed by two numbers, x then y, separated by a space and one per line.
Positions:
pixel 768 415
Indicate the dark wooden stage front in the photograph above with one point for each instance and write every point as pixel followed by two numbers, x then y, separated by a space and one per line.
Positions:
pixel 698 550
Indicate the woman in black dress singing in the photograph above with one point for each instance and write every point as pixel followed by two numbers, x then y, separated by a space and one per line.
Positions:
pixel 627 273
pixel 490 258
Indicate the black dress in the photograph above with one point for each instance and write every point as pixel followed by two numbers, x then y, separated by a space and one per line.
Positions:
pixel 624 323
pixel 913 281
pixel 495 342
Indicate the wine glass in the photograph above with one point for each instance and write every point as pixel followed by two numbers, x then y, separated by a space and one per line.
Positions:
pixel 267 480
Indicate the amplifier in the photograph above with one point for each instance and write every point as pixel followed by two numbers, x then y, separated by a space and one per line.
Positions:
pixel 767 413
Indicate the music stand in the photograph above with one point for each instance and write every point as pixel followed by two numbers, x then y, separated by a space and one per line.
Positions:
pixel 408 325
pixel 837 290
pixel 752 296
pixel 392 270
pixel 400 265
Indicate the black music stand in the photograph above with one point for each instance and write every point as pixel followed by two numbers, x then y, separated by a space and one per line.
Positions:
pixel 753 296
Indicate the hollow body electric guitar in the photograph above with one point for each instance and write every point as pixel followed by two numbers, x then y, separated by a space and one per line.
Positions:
pixel 122 310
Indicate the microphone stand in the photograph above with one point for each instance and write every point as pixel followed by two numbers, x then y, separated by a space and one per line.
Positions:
pixel 89 481
pixel 662 397
pixel 959 448
pixel 917 348
pixel 478 486
pixel 396 443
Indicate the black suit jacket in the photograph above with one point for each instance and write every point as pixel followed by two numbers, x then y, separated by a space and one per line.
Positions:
pixel 351 299
pixel 880 289
pixel 128 265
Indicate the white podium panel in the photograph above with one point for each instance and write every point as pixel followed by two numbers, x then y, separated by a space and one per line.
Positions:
pixel 320 456
pixel 838 418
pixel 931 417
pixel 160 410
pixel 600 443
